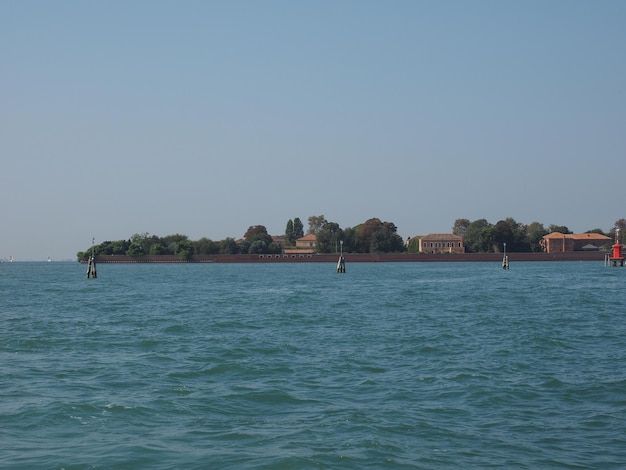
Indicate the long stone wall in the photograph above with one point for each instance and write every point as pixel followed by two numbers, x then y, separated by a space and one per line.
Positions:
pixel 356 257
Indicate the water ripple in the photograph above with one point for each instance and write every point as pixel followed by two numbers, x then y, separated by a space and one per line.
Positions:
pixel 293 366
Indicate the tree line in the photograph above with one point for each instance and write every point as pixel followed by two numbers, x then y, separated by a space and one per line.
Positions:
pixel 372 236
pixel 481 236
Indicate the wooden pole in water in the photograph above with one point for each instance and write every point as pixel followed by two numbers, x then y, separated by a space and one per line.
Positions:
pixel 91 268
pixel 341 264
pixel 505 259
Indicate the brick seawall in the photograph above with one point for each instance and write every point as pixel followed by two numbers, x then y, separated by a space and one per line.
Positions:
pixel 357 257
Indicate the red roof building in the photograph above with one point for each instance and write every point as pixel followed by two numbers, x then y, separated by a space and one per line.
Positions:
pixel 304 245
pixel 557 242
pixel 441 243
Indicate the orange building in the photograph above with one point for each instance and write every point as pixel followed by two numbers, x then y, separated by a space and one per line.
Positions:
pixel 304 245
pixel 441 243
pixel 557 242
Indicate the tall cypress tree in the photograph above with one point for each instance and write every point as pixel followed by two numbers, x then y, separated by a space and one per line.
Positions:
pixel 298 228
pixel 289 234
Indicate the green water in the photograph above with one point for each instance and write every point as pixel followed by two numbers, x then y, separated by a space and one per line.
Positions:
pixel 391 365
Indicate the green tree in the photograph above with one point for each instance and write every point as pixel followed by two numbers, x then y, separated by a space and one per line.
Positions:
pixel 393 242
pixel 375 236
pixel 365 232
pixel 184 249
pixel 621 225
pixel 519 235
pixel 257 232
pixel 534 233
pixel 135 249
pixel 350 240
pixel 502 233
pixel 385 241
pixel 157 249
pixel 515 240
pixel 290 235
pixel 205 246
pixel 119 247
pixel 558 228
pixel 275 248
pixel 173 242
pixel 298 228
pixel 104 248
pixel 327 238
pixel 316 223
pixel 229 246
pixel 413 246
pixel 140 244
pixel 486 240
pixel 257 247
pixel 460 227
pixel 477 236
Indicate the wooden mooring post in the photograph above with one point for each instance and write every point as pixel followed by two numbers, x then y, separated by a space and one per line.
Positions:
pixel 91 267
pixel 341 264
pixel 505 259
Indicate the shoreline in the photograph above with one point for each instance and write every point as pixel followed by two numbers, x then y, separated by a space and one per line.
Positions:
pixel 356 258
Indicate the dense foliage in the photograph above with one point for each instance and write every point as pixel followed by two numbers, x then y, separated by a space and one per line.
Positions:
pixel 177 245
pixel 316 223
pixel 480 236
pixel 293 231
pixel 372 236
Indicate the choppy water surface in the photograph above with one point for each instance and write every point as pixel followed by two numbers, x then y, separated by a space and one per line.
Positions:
pixel 391 365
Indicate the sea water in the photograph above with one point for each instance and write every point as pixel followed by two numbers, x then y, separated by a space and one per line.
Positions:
pixel 288 366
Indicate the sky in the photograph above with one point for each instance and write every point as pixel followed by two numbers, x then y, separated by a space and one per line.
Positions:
pixel 204 118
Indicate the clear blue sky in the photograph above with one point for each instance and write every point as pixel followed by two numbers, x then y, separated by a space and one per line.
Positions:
pixel 204 117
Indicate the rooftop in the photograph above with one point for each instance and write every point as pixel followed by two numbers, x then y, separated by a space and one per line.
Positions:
pixel 578 236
